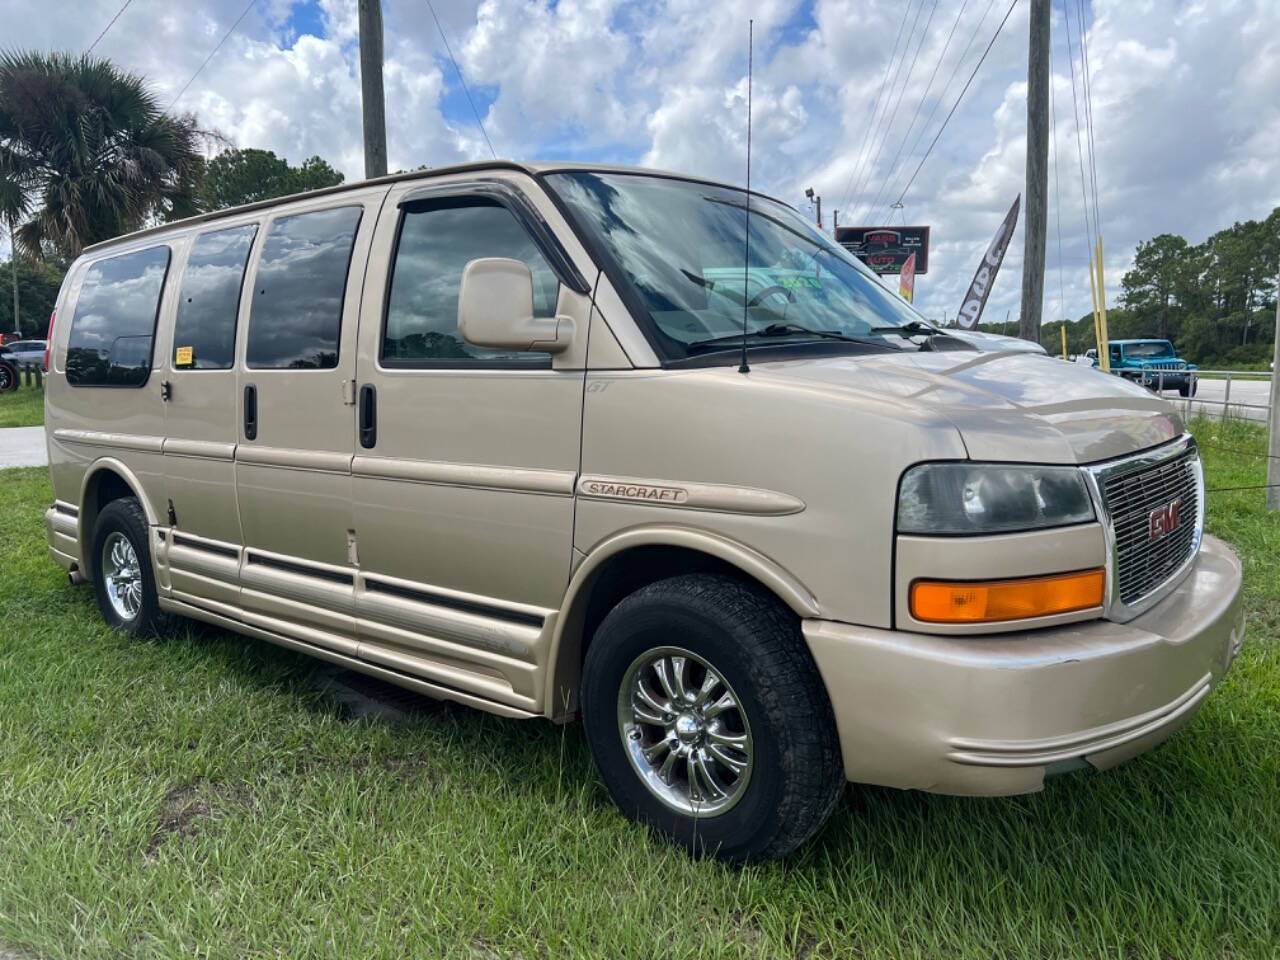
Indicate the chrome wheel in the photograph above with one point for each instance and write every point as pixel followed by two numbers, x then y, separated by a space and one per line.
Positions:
pixel 122 576
pixel 685 731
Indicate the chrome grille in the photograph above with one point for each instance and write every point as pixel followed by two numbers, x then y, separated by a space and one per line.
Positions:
pixel 1142 562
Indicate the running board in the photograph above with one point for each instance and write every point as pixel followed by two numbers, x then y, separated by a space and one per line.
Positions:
pixel 426 687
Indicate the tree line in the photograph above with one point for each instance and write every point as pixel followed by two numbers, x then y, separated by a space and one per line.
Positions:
pixel 87 153
pixel 1216 300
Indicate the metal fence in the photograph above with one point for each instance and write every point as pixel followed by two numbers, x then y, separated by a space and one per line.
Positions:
pixel 1212 393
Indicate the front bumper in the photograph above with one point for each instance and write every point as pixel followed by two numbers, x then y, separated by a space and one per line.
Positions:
pixel 990 715
pixel 1172 379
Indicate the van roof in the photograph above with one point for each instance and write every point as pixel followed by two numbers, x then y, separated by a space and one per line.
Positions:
pixel 529 168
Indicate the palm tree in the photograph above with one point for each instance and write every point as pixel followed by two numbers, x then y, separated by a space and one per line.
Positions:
pixel 86 153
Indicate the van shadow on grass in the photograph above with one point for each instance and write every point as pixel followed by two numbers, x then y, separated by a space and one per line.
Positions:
pixel 515 750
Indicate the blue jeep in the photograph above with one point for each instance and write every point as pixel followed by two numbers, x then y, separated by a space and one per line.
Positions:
pixel 1154 364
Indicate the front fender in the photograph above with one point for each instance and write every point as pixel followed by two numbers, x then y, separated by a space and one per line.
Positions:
pixel 566 642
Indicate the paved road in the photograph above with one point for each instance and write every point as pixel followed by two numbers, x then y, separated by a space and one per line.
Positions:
pixel 1248 398
pixel 22 447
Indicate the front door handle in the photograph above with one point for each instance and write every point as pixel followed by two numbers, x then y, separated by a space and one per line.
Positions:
pixel 368 416
pixel 250 412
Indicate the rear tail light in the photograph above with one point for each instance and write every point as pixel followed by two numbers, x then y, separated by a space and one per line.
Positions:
pixel 48 339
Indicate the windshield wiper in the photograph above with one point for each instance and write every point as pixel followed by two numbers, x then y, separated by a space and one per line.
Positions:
pixel 937 340
pixel 772 330
pixel 914 328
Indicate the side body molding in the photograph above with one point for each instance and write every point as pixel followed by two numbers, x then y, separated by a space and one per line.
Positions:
pixel 566 643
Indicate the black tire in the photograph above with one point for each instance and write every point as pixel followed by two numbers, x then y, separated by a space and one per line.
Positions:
pixel 1188 389
pixel 755 644
pixel 8 377
pixel 126 517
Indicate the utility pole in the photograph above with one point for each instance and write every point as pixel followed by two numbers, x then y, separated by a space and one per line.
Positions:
pixel 1037 172
pixel 1273 428
pixel 835 222
pixel 371 94
pixel 819 212
pixel 13 263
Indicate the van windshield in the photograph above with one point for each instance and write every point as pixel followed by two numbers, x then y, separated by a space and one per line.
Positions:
pixel 680 246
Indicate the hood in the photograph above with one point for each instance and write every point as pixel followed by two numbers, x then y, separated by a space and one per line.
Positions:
pixel 1010 407
pixel 994 342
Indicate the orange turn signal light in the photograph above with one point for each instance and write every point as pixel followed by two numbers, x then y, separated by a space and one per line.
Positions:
pixel 950 601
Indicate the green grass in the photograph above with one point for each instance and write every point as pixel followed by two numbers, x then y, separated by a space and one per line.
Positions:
pixel 201 795
pixel 23 407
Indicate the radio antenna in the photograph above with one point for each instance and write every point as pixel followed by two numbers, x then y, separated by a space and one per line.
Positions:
pixel 743 367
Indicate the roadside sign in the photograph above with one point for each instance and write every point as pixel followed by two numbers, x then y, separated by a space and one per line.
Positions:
pixel 886 249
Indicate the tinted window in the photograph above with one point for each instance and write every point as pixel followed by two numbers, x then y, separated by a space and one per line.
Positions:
pixel 297 298
pixel 204 336
pixel 435 245
pixel 115 320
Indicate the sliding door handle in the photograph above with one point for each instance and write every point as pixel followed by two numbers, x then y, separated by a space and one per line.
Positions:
pixel 250 412
pixel 368 416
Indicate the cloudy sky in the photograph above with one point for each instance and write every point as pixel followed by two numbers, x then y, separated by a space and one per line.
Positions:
pixel 1186 102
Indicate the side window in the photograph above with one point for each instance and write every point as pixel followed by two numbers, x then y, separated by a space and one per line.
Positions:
pixel 204 335
pixel 1115 354
pixel 297 298
pixel 115 320
pixel 434 246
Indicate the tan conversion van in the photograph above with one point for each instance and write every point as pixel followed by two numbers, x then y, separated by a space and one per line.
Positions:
pixel 495 433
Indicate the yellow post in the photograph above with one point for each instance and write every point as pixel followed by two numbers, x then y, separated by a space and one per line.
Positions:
pixel 1104 358
pixel 1102 303
pixel 1064 339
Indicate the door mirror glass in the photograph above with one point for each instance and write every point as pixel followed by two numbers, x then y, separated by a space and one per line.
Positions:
pixel 495 309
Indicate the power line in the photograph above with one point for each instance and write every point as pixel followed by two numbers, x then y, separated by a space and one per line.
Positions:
pixel 1088 112
pixel 875 109
pixel 892 113
pixel 963 91
pixel 200 69
pixel 868 165
pixel 458 71
pixel 893 164
pixel 950 81
pixel 1075 104
pixel 108 26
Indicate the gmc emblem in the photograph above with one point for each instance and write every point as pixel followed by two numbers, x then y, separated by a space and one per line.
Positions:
pixel 1164 520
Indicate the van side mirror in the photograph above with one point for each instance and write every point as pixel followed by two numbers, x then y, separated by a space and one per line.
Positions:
pixel 495 309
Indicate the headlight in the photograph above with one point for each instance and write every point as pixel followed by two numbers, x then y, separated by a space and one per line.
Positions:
pixel 951 498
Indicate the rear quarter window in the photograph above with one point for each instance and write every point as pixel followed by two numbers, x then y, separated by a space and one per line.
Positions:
pixel 115 320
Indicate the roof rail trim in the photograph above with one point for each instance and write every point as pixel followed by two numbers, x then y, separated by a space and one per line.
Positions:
pixel 215 215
